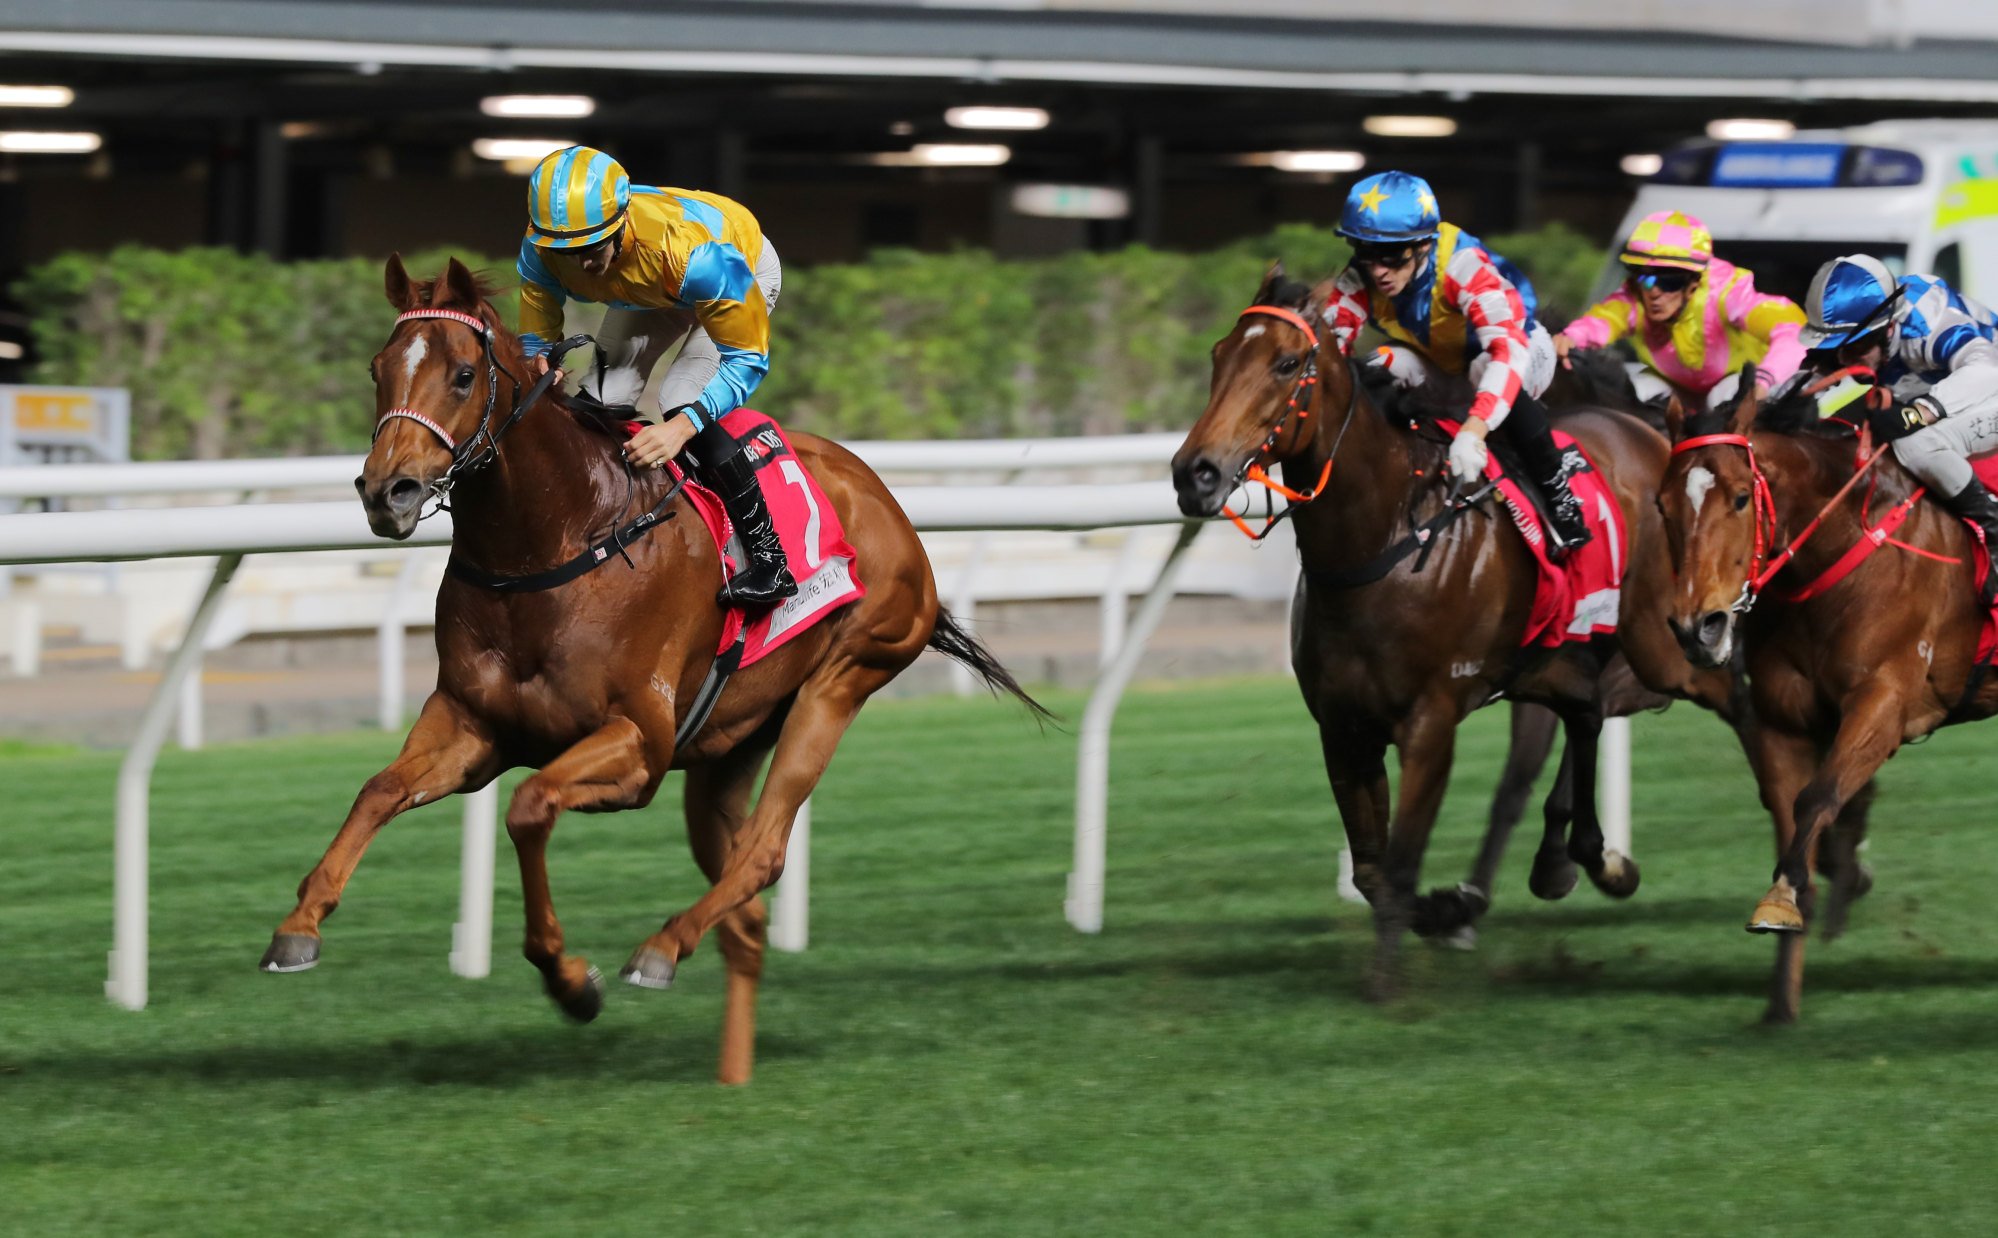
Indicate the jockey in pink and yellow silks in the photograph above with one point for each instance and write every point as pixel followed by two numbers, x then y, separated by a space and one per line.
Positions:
pixel 1693 319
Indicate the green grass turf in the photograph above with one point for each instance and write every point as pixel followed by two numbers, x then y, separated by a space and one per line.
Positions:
pixel 950 1058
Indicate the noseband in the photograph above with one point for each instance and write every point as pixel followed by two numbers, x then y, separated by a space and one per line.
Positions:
pixel 482 448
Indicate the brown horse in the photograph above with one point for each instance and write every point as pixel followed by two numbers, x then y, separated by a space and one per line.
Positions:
pixel 1401 658
pixel 1843 677
pixel 589 680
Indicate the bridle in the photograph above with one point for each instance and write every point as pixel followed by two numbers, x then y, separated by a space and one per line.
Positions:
pixel 1298 405
pixel 482 448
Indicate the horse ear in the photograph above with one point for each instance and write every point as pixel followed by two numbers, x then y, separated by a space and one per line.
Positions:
pixel 1747 405
pixel 1675 418
pixel 395 282
pixel 1271 278
pixel 461 284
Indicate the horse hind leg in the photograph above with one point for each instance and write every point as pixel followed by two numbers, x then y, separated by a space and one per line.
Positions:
pixel 1554 874
pixel 607 769
pixel 1457 911
pixel 1613 872
pixel 717 806
pixel 1851 878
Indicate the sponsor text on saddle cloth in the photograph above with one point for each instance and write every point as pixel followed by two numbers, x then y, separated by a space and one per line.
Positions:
pixel 1577 598
pixel 1986 468
pixel 815 543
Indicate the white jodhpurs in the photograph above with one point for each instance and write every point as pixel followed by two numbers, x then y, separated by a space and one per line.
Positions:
pixel 1940 454
pixel 633 341
pixel 1536 373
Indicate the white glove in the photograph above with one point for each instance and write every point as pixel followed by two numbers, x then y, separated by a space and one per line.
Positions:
pixel 1467 453
pixel 1403 365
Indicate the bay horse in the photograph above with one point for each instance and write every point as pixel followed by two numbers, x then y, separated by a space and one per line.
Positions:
pixel 1846 662
pixel 1402 657
pixel 589 680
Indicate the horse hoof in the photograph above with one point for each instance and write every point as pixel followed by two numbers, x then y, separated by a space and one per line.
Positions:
pixel 649 969
pixel 1775 917
pixel 291 952
pixel 1618 876
pixel 1552 880
pixel 588 1002
pixel 1465 938
pixel 1446 911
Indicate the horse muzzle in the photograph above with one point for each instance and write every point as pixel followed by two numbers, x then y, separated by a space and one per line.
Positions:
pixel 394 504
pixel 1708 642
pixel 1201 484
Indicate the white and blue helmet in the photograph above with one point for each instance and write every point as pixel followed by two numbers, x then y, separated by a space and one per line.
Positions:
pixel 1850 298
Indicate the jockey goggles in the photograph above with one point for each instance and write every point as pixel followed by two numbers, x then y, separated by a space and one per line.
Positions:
pixel 1663 279
pixel 1392 256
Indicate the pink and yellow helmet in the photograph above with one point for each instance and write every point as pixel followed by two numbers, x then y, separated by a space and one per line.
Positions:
pixel 1669 239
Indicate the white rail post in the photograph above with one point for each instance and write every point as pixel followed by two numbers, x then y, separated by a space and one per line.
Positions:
pixel 1613 784
pixel 27 637
pixel 188 730
pixel 790 919
pixel 472 935
pixel 127 983
pixel 1116 607
pixel 389 640
pixel 1084 904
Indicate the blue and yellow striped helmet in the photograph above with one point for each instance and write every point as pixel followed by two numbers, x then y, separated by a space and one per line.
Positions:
pixel 576 197
pixel 1389 207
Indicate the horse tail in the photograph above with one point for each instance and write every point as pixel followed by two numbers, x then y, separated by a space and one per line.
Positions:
pixel 953 641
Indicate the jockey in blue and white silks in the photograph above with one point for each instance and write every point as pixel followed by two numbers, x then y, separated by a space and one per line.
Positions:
pixel 1938 350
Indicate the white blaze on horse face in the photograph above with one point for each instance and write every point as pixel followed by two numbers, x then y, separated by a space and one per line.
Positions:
pixel 1253 332
pixel 412 358
pixel 1699 480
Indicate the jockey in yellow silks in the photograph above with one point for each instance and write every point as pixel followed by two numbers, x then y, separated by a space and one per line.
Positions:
pixel 676 267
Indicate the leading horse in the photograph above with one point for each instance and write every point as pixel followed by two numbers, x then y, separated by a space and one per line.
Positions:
pixel 589 680
pixel 1400 654
pixel 1858 612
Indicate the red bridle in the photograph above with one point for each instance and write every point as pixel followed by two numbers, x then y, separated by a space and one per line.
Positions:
pixel 1298 405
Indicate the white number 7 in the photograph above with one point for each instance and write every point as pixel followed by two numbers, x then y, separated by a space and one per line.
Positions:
pixel 796 476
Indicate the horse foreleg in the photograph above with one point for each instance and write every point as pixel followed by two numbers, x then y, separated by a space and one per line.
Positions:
pixel 1354 765
pixel 1614 873
pixel 444 753
pixel 805 747
pixel 606 769
pixel 1426 744
pixel 1851 879
pixel 1533 728
pixel 1783 764
pixel 1553 877
pixel 717 805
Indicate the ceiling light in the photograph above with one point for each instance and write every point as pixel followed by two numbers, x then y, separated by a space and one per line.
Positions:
pixel 538 105
pixel 1642 165
pixel 996 118
pixel 503 149
pixel 36 96
pixel 1314 160
pixel 901 129
pixel 1743 129
pixel 946 155
pixel 19 142
pixel 1071 201
pixel 1409 126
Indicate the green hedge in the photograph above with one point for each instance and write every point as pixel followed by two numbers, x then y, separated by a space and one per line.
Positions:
pixel 231 354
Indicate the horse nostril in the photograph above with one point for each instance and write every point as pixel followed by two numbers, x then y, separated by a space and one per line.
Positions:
pixel 361 486
pixel 405 493
pixel 1205 476
pixel 1713 627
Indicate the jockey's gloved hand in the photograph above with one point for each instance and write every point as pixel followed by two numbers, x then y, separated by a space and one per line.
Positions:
pixel 1897 421
pixel 1467 451
pixel 1403 365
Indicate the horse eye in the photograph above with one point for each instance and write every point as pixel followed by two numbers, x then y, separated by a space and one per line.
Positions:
pixel 464 378
pixel 1740 501
pixel 1288 366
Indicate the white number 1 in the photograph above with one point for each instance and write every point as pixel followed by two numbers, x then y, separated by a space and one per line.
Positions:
pixel 796 476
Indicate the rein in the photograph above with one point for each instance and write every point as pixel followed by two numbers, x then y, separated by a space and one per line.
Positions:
pixel 1298 405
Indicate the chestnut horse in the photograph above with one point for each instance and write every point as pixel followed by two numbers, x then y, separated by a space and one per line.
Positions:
pixel 1402 657
pixel 1844 668
pixel 589 680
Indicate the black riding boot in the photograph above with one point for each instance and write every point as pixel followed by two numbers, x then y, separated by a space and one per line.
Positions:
pixel 1980 507
pixel 1550 468
pixel 764 580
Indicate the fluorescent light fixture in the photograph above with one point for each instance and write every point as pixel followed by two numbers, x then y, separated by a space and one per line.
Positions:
pixel 1642 164
pixel 996 118
pixel 503 149
pixel 538 105
pixel 945 155
pixel 1313 160
pixel 23 142
pixel 36 96
pixel 1071 201
pixel 1745 129
pixel 1409 126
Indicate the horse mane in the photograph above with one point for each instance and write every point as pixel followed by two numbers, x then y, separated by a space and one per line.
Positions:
pixel 1793 412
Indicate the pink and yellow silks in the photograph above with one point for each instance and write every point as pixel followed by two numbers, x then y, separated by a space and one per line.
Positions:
pixel 1725 323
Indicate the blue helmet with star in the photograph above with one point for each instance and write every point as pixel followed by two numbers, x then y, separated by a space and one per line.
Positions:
pixel 1388 207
